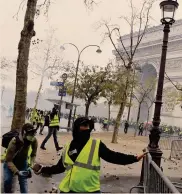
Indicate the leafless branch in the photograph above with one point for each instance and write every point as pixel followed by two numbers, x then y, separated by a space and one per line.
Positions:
pixel 16 15
pixel 147 15
pixel 177 86
pixel 110 37
pixel 90 3
pixel 35 72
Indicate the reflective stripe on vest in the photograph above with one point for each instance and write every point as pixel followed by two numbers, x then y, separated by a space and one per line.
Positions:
pixel 83 175
pixel 54 121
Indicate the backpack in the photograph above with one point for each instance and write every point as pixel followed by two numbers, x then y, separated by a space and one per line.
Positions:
pixel 7 137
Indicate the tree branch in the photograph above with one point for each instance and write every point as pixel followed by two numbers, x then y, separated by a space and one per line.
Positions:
pixel 175 85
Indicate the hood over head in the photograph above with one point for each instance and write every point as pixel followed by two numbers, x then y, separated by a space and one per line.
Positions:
pixel 82 136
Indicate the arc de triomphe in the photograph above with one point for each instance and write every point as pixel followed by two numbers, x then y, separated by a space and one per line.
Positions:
pixel 148 56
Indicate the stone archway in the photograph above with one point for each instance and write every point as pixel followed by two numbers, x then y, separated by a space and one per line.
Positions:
pixel 149 73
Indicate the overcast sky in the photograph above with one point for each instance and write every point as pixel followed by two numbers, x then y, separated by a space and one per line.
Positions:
pixel 73 23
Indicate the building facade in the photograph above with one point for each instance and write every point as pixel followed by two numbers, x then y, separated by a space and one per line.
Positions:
pixel 148 56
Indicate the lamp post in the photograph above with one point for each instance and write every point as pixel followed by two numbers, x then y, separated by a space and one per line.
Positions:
pixel 168 8
pixel 76 73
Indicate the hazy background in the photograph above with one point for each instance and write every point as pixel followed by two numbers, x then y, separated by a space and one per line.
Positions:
pixel 73 23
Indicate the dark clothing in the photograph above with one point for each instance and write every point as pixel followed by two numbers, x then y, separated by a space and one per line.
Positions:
pixel 51 131
pixel 126 125
pixel 140 130
pixel 46 121
pixel 104 153
pixel 41 127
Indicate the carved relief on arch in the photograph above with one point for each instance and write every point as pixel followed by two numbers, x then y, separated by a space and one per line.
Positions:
pixel 174 64
pixel 170 99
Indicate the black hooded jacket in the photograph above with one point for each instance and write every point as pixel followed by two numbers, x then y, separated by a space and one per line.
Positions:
pixel 79 141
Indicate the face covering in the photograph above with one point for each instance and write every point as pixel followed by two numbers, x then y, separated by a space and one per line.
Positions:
pixel 81 136
pixel 30 138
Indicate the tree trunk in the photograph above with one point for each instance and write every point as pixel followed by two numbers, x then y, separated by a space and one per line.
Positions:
pixel 148 114
pixel 87 105
pixel 117 124
pixel 22 66
pixel 109 116
pixel 138 117
pixel 121 110
pixel 139 110
pixel 39 90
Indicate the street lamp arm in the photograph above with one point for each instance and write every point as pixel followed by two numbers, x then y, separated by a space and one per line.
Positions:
pixel 74 46
pixel 89 46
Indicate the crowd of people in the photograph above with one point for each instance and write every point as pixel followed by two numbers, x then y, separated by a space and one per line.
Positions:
pixel 41 119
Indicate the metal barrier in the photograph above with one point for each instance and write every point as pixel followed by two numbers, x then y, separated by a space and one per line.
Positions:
pixel 166 141
pixel 176 149
pixel 154 180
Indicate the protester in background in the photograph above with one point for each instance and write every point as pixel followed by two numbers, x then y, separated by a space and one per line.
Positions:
pixel 81 160
pixel 105 123
pixel 141 128
pixel 46 121
pixel 126 125
pixel 16 159
pixel 40 122
pixel 53 128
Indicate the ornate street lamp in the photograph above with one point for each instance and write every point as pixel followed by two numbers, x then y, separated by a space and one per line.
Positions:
pixel 168 11
pixel 168 8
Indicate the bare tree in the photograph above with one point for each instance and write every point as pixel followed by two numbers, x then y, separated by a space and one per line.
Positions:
pixel 138 21
pixel 22 66
pixel 142 93
pixel 32 9
pixel 50 60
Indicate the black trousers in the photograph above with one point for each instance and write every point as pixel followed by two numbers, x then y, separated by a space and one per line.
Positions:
pixel 140 132
pixel 51 131
pixel 125 130
pixel 41 127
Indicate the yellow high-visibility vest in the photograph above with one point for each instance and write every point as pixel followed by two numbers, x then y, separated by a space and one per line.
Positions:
pixel 83 175
pixel 54 121
pixel 34 116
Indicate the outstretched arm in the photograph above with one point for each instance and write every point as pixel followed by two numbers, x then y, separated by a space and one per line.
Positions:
pixel 117 157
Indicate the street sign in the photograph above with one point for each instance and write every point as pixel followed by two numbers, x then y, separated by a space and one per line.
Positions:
pixel 64 76
pixel 69 106
pixel 53 83
pixel 62 93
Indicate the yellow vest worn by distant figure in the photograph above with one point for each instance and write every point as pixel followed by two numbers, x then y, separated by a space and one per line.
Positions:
pixel 83 175
pixel 55 121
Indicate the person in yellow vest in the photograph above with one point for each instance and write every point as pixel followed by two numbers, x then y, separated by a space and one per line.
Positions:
pixel 20 151
pixel 40 122
pixel 34 116
pixel 81 160
pixel 53 128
